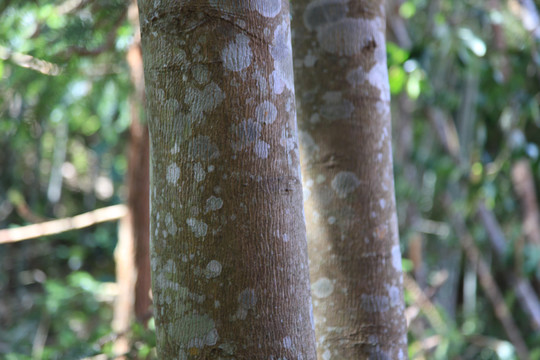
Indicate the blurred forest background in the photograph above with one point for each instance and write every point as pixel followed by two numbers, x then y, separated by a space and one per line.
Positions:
pixel 465 83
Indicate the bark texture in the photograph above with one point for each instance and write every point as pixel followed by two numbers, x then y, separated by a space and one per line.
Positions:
pixel 343 102
pixel 229 266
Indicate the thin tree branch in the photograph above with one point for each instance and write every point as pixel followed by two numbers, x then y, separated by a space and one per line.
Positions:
pixel 525 294
pixel 490 288
pixel 52 227
pixel 29 62
pixel 523 181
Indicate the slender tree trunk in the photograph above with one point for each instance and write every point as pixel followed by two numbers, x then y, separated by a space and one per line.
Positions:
pixel 139 178
pixel 229 266
pixel 132 253
pixel 344 121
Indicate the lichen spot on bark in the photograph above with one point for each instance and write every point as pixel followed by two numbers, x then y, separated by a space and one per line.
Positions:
pixel 173 173
pixel 198 172
pixel 335 106
pixel 322 288
pixel 344 183
pixel 396 258
pixel 266 112
pixel 322 12
pixel 198 227
pixel 246 301
pixel 236 56
pixel 193 332
pixel 327 355
pixel 203 101
pixel 245 134
pixel 267 8
pixel 170 224
pixel 393 294
pixel 378 78
pixel 287 342
pixel 200 73
pixel 213 269
pixel 348 36
pixel 280 49
pixel 356 77
pixel 213 204
pixel 372 303
pixel 201 148
pixel 261 149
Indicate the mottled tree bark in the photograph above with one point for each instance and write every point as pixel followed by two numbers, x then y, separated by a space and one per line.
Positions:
pixel 344 121
pixel 228 251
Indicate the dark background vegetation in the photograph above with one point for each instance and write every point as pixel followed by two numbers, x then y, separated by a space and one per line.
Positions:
pixel 465 83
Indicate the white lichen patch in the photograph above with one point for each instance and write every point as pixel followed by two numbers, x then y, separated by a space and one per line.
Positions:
pixel 344 183
pixel 349 36
pixel 322 12
pixel 202 149
pixel 378 78
pixel 213 269
pixel 175 149
pixel 393 294
pixel 382 203
pixel 266 112
pixel 327 355
pixel 310 59
pixel 281 52
pixel 236 56
pixel 198 172
pixel 288 140
pixel 396 258
pixel 262 84
pixel 198 227
pixel 200 73
pixel 173 173
pixel 170 224
pixel 322 288
pixel 245 133
pixel 246 301
pixel 213 203
pixel 335 107
pixel 193 331
pixel 356 77
pixel 267 8
pixel 203 101
pixel 309 146
pixel 374 303
pixel 287 342
pixel 261 149
pixel 332 220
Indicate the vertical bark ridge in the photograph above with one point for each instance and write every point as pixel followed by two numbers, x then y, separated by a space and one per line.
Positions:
pixel 228 252
pixel 343 107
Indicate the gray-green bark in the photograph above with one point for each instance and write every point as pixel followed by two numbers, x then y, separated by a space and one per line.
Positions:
pixel 344 121
pixel 228 251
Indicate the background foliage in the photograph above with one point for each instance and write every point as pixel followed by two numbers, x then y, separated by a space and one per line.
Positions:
pixel 465 83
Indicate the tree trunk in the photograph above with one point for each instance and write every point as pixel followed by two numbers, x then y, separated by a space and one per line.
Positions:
pixel 132 257
pixel 228 250
pixel 344 121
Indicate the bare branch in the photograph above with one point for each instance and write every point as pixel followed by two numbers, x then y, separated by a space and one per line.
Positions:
pixel 52 227
pixel 30 62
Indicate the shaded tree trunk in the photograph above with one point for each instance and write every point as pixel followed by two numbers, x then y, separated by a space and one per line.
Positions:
pixel 132 255
pixel 228 252
pixel 344 121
